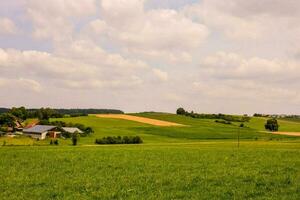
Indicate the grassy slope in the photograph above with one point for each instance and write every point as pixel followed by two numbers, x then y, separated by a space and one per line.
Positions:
pixel 115 127
pixel 208 129
pixel 196 129
pixel 258 170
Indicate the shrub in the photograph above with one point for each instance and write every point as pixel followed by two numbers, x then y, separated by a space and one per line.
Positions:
pixel 55 142
pixel 120 140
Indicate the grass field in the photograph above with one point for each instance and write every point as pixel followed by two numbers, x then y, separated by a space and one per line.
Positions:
pixel 207 170
pixel 199 161
pixel 196 129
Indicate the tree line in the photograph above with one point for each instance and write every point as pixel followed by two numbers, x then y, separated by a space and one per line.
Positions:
pixel 229 118
pixel 46 113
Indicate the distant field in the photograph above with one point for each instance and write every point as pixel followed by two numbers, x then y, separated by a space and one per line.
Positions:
pixel 207 170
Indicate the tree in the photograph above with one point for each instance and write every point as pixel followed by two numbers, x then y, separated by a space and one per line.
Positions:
pixel 8 119
pixel 89 130
pixel 180 111
pixel 75 136
pixel 20 113
pixel 272 125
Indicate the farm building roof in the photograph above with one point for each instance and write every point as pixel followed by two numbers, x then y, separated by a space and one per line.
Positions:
pixel 39 129
pixel 71 129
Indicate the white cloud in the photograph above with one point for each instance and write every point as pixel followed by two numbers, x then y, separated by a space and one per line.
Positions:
pixel 150 34
pixel 161 75
pixel 253 20
pixel 7 27
pixel 82 71
pixel 53 19
pixel 235 66
pixel 21 83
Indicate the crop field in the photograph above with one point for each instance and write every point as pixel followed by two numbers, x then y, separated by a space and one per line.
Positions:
pixel 201 160
pixel 144 120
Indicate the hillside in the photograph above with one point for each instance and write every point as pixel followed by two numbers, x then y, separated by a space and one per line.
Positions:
pixel 195 129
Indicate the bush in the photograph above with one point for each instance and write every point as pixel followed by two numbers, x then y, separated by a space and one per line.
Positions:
pixel 55 142
pixel 223 122
pixel 120 140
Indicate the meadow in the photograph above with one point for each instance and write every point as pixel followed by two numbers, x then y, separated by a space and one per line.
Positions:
pixel 204 170
pixel 199 161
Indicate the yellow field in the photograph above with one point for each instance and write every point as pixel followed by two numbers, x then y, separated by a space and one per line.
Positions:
pixel 144 120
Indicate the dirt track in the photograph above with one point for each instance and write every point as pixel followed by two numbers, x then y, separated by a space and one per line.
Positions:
pixel 140 119
pixel 287 133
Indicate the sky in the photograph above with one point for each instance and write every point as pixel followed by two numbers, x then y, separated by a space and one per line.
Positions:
pixel 209 56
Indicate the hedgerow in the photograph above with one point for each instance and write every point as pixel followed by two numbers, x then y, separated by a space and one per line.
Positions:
pixel 119 140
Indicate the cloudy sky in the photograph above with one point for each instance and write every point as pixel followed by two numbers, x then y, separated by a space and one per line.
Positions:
pixel 232 56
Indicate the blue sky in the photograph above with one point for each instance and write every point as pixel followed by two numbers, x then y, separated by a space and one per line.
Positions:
pixel 212 56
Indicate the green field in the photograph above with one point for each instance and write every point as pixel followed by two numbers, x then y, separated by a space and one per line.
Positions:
pixel 194 131
pixel 199 161
pixel 208 170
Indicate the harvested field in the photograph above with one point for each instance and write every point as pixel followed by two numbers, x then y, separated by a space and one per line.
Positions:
pixel 144 120
pixel 287 133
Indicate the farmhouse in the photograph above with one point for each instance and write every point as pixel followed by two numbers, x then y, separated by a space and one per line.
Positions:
pixel 41 131
pixel 71 129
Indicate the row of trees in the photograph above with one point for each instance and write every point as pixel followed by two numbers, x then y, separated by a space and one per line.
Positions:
pixel 230 118
pixel 42 113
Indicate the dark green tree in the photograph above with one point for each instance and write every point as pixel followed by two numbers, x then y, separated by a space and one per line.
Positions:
pixel 7 119
pixel 272 125
pixel 180 111
pixel 20 112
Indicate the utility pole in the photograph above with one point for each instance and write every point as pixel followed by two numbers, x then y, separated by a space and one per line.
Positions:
pixel 239 130
pixel 238 137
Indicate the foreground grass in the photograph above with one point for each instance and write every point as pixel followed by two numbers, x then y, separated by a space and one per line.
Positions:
pixel 204 170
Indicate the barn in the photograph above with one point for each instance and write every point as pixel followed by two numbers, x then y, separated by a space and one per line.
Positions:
pixel 41 131
pixel 71 130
